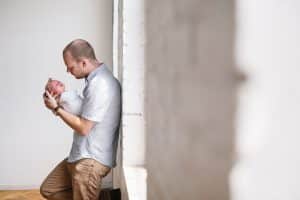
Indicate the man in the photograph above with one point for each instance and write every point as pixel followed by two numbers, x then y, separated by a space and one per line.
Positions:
pixel 95 138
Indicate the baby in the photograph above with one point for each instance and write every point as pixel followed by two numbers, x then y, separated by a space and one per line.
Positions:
pixel 70 100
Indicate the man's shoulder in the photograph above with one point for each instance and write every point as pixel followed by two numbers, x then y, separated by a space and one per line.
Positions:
pixel 102 79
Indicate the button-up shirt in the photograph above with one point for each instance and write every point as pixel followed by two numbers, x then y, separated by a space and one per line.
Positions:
pixel 102 105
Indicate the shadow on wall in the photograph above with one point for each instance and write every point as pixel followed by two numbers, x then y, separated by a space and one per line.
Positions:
pixel 124 192
pixel 121 179
pixel 191 84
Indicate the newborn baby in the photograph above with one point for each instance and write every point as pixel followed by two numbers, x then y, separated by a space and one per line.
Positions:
pixel 70 100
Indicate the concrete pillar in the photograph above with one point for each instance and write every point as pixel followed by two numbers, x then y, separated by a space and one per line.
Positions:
pixel 190 98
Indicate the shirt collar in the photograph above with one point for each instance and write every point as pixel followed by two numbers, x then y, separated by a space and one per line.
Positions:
pixel 93 73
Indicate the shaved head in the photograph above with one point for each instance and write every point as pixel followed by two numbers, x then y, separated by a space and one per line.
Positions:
pixel 80 48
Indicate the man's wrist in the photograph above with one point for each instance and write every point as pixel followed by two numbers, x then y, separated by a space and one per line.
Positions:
pixel 55 110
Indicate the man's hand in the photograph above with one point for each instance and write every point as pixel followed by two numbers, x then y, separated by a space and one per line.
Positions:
pixel 50 100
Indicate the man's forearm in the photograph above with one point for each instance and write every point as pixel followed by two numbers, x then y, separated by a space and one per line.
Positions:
pixel 73 121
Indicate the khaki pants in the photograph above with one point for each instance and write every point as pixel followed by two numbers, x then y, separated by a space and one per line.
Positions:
pixel 74 181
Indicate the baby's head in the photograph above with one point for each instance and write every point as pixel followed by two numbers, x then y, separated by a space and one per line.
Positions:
pixel 55 86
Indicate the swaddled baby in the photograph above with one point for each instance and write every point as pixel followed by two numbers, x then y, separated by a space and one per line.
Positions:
pixel 70 100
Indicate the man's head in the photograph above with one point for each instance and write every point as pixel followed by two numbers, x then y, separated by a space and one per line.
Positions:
pixel 79 57
pixel 55 86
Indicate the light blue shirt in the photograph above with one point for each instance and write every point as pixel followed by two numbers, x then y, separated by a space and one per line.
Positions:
pixel 102 104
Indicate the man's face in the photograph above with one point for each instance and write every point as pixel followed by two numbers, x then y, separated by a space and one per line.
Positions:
pixel 73 66
pixel 55 86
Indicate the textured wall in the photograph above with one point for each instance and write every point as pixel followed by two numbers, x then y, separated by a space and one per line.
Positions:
pixel 190 98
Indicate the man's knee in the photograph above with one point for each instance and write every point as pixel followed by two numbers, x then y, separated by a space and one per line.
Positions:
pixel 44 192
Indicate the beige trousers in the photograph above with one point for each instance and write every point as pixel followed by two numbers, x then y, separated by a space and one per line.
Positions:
pixel 74 181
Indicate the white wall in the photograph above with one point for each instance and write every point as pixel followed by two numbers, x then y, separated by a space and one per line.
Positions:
pixel 133 118
pixel 33 34
pixel 268 51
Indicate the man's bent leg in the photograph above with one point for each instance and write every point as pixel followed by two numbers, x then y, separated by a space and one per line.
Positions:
pixel 87 175
pixel 58 184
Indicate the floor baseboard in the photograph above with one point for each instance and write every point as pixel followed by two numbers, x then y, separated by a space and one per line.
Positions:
pixel 19 187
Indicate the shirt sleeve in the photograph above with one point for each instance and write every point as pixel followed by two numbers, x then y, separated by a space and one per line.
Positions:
pixel 96 102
